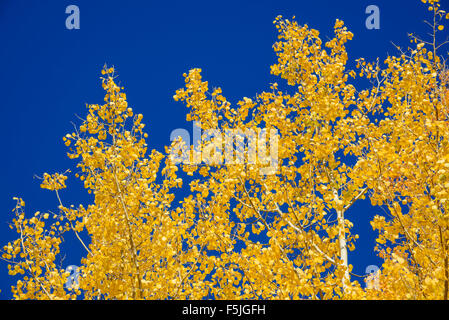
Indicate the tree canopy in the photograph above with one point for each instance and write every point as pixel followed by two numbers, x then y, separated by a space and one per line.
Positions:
pixel 272 180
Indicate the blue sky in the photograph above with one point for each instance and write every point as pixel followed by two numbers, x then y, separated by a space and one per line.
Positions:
pixel 48 73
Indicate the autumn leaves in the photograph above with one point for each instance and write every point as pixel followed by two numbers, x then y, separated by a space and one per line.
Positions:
pixel 241 234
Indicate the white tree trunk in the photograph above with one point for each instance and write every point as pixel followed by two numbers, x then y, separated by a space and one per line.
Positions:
pixel 342 242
